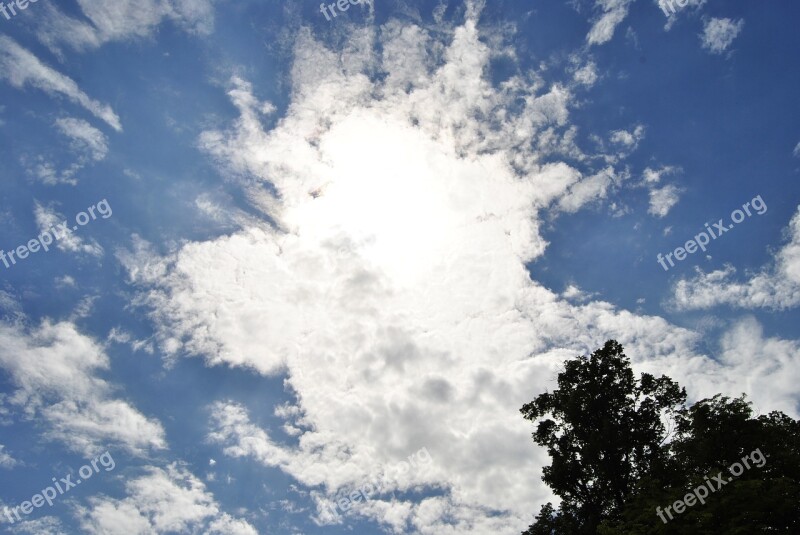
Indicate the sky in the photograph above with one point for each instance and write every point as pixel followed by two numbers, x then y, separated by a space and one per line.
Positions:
pixel 272 268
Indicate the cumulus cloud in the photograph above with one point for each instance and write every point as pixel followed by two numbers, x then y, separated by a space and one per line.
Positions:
pixel 390 285
pixel 718 34
pixel 19 67
pixel 662 200
pixel 653 176
pixel 586 75
pixel 164 500
pixel 775 286
pixel 55 371
pixel 628 139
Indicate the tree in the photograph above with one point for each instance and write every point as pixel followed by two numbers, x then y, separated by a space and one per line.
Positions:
pixel 760 495
pixel 603 430
pixel 616 468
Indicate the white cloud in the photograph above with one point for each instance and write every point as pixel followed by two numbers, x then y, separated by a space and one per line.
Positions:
pixel 55 371
pixel 574 293
pixel 796 151
pixel 776 286
pixel 589 189
pixel 115 20
pixel 628 140
pixel 9 303
pixel 392 291
pixel 586 75
pixel 46 525
pixel 614 12
pixel 19 67
pixel 48 218
pixel 662 200
pixel 87 143
pixel 653 176
pixel 6 460
pixel 228 525
pixel 718 34
pixel 165 500
pixel 65 281
pixel 85 137
pixel 770 366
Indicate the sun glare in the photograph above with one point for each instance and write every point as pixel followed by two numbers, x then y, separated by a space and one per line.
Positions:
pixel 382 194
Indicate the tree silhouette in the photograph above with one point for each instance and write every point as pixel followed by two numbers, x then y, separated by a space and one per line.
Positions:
pixel 614 462
pixel 712 436
pixel 604 433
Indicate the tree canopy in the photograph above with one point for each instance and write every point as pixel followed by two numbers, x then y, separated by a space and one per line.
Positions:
pixel 625 449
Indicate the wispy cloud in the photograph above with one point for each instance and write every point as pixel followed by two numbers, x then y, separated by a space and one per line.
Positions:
pixel 117 20
pixel 21 68
pixel 56 374
pixel 47 217
pixel 776 286
pixel 718 34
pixel 84 137
pixel 87 145
pixel 613 13
pixel 6 460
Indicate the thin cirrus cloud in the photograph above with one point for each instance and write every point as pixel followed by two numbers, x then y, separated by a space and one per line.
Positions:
pixel 404 224
pixel 48 218
pixel 84 137
pixel 21 68
pixel 87 144
pixel 116 20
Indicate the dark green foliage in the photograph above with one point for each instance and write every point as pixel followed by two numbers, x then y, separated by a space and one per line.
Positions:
pixel 712 436
pixel 614 462
pixel 604 433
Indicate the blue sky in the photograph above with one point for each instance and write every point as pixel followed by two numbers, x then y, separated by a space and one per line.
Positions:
pixel 323 247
